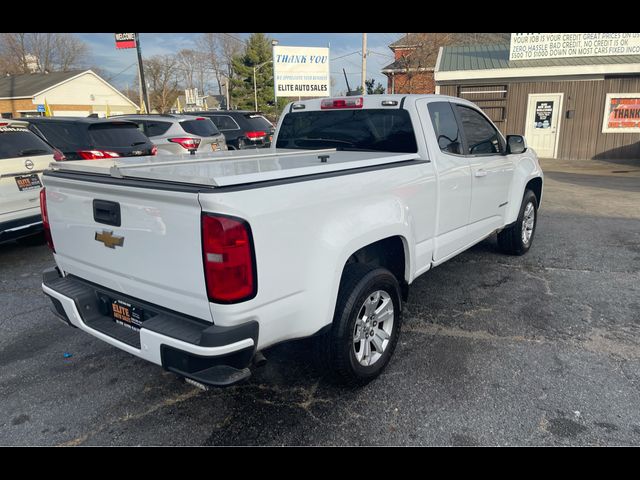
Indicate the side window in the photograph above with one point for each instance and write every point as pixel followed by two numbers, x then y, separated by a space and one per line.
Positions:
pixel 445 126
pixel 482 137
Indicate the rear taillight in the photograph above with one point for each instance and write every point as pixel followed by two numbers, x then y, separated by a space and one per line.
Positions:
pixel 45 219
pixel 256 135
pixel 154 150
pixel 229 265
pixel 186 143
pixel 349 102
pixel 97 154
pixel 58 156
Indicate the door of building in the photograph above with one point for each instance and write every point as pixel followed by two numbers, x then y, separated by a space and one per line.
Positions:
pixel 543 123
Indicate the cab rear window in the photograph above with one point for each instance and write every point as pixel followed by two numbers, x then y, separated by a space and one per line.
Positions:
pixel 20 142
pixel 371 129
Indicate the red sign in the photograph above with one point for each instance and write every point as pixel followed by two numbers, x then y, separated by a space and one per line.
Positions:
pixel 624 113
pixel 125 40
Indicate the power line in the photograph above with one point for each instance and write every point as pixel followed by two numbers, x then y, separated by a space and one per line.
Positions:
pixel 381 54
pixel 114 76
pixel 235 38
pixel 347 55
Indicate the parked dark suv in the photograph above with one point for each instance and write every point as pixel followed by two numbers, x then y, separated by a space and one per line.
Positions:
pixel 241 128
pixel 86 138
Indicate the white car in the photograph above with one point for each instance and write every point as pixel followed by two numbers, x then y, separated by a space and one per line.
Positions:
pixel 23 157
pixel 198 265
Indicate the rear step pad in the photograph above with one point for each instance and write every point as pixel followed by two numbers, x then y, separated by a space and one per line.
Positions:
pixel 216 376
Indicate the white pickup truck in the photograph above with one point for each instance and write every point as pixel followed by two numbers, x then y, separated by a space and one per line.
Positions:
pixel 200 263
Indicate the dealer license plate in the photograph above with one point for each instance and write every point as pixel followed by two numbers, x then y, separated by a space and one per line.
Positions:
pixel 28 182
pixel 127 315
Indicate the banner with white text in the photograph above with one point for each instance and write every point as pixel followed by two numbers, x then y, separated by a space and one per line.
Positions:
pixel 534 46
pixel 302 71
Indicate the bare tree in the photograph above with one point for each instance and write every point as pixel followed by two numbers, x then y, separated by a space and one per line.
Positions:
pixel 193 68
pixel 161 74
pixel 419 51
pixel 40 52
pixel 132 93
pixel 218 50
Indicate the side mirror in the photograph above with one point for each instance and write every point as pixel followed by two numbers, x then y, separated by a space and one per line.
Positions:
pixel 516 144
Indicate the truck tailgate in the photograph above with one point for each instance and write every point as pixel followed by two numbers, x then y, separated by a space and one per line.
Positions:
pixel 160 256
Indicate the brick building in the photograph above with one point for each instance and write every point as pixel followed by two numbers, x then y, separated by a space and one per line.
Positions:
pixel 416 54
pixel 75 93
pixel 406 75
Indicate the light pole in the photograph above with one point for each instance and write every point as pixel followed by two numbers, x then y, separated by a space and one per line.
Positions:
pixel 274 44
pixel 226 90
pixel 255 88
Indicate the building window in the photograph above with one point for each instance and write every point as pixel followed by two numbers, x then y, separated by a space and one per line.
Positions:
pixel 476 93
pixel 621 113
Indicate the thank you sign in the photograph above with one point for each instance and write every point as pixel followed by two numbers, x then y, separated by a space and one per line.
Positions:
pixel 301 71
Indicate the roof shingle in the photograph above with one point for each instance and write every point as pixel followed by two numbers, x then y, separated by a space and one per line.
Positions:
pixel 28 84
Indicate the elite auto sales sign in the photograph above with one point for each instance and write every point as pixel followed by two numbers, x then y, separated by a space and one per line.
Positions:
pixel 301 71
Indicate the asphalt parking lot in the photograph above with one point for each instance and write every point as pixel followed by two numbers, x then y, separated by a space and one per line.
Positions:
pixel 542 349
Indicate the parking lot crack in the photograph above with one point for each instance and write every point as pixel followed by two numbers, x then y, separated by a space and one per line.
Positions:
pixel 134 416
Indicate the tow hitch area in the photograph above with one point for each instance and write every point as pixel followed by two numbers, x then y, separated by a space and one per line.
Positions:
pixel 217 376
pixel 222 375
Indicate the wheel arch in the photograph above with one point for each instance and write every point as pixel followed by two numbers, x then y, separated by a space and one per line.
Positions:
pixel 527 174
pixel 391 253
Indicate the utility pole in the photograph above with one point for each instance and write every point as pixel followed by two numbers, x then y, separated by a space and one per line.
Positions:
pixel 364 63
pixel 274 44
pixel 143 84
pixel 255 91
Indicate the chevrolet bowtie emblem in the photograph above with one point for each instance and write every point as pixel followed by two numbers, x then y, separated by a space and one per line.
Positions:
pixel 109 239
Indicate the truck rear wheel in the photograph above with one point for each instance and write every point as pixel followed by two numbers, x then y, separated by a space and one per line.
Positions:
pixel 366 325
pixel 517 239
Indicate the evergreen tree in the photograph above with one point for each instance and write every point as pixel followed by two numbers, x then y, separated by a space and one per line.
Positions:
pixel 372 88
pixel 257 51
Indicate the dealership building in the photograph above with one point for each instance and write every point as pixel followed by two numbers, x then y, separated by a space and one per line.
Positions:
pixel 77 93
pixel 573 96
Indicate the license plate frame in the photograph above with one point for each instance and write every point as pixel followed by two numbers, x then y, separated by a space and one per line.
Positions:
pixel 127 315
pixel 28 182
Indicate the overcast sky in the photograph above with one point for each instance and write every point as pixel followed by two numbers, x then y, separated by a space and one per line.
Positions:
pixel 122 63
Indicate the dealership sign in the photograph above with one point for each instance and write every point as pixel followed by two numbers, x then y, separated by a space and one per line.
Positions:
pixel 125 40
pixel 535 46
pixel 622 113
pixel 301 71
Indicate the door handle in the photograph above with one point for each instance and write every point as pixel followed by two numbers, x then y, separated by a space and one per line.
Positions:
pixel 481 173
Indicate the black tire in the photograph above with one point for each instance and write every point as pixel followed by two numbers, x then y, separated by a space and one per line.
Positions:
pixel 510 239
pixel 335 349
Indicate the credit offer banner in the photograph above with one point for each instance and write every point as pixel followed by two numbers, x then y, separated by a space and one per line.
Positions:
pixel 301 71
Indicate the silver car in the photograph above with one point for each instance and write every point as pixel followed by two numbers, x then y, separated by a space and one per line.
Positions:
pixel 179 134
